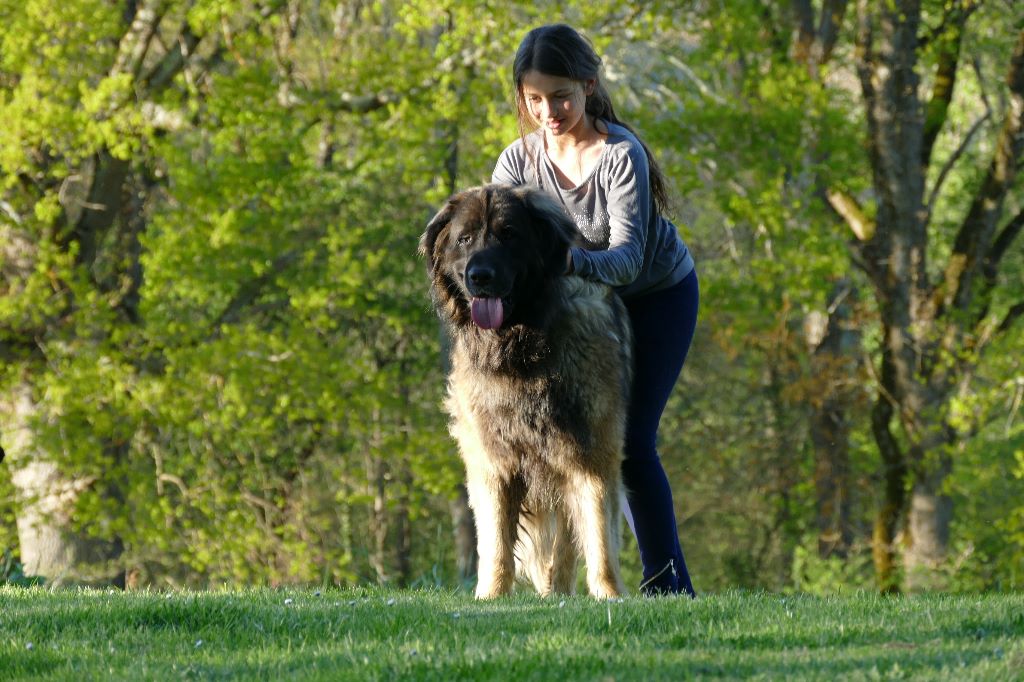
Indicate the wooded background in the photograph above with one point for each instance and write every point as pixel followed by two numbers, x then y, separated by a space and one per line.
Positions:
pixel 219 363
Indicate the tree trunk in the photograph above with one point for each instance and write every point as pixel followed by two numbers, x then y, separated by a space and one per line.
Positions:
pixel 929 518
pixel 463 525
pixel 894 253
pixel 403 527
pixel 378 475
pixel 832 480
pixel 465 536
pixel 894 477
pixel 50 546
pixel 832 363
pixel 780 431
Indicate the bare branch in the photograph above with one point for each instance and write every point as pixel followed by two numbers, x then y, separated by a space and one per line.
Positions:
pixel 250 291
pixel 982 89
pixel 989 277
pixel 346 102
pixel 951 161
pixel 359 104
pixel 10 212
pixel 1002 243
pixel 1015 311
pixel 848 208
pixel 804 13
pixel 162 118
pixel 615 22
pixel 832 13
pixel 814 47
pixel 183 54
pixel 135 43
pixel 173 61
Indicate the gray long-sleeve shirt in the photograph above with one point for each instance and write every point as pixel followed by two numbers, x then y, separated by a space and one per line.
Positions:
pixel 629 245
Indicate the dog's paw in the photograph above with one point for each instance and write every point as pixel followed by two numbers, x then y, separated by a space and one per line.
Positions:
pixel 484 592
pixel 490 587
pixel 605 589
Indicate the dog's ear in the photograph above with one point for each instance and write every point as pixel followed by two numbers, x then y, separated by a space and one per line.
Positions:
pixel 437 225
pixel 556 229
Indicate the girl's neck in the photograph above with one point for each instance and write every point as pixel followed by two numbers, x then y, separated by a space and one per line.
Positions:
pixel 587 135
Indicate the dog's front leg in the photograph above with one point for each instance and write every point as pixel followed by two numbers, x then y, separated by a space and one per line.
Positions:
pixel 594 506
pixel 495 504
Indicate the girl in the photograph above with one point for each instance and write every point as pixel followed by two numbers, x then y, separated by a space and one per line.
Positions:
pixel 583 155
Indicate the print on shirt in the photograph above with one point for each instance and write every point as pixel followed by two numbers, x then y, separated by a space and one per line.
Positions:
pixel 593 228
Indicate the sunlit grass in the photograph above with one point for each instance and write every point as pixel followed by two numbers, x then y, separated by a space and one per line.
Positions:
pixel 384 634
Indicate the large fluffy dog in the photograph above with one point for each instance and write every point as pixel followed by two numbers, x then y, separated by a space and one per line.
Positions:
pixel 537 394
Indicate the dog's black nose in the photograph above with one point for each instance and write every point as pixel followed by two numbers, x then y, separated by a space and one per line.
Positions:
pixel 480 275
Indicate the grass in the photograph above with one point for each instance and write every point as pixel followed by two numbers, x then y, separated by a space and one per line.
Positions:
pixel 369 634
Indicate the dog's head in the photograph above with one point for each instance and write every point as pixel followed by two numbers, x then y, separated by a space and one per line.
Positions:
pixel 492 250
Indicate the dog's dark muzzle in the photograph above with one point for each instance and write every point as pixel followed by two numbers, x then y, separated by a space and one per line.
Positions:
pixel 480 277
pixel 489 285
pixel 486 278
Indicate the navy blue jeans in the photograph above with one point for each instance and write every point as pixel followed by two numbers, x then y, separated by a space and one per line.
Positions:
pixel 663 326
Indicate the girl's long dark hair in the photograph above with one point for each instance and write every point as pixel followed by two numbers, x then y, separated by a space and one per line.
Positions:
pixel 560 50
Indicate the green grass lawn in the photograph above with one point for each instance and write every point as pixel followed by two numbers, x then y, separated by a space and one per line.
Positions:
pixel 381 634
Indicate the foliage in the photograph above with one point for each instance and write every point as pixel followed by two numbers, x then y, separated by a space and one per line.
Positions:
pixel 13 573
pixel 813 574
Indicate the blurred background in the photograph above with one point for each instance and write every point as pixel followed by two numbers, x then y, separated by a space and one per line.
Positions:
pixel 218 361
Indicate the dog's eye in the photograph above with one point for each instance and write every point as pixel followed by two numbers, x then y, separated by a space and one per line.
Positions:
pixel 464 239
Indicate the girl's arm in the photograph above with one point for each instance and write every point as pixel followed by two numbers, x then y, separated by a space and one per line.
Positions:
pixel 629 217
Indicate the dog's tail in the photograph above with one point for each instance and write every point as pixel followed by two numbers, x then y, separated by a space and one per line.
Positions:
pixel 545 555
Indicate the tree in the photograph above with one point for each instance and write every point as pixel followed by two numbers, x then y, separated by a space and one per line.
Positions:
pixel 74 184
pixel 930 236
pixel 936 323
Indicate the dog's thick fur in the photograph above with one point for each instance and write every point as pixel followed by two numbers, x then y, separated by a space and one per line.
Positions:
pixel 537 402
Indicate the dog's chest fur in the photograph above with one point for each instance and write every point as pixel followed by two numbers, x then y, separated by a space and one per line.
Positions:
pixel 521 418
pixel 533 404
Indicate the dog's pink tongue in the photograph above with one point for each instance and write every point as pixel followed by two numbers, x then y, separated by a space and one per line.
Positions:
pixel 487 313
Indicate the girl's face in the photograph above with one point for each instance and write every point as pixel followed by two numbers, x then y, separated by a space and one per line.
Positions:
pixel 557 104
